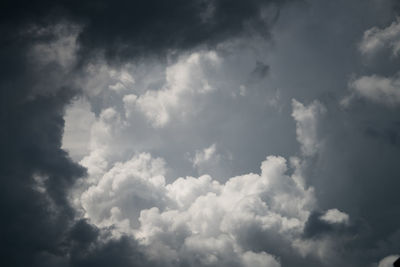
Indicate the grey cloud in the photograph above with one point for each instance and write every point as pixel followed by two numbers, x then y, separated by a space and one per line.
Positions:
pixel 121 29
pixel 36 86
pixel 314 54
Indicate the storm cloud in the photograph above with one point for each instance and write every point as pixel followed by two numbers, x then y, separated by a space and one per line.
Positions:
pixel 199 133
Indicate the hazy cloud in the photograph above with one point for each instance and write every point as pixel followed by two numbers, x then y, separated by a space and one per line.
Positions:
pixel 376 39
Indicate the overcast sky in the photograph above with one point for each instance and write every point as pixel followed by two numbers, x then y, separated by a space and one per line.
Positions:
pixel 190 133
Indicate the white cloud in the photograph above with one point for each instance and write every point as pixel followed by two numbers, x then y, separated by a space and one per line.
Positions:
pixel 199 216
pixel 205 155
pixel 78 122
pixel 98 78
pixel 129 104
pixel 199 220
pixel 378 89
pixel 335 216
pixel 388 261
pixel 123 81
pixel 102 136
pixel 251 259
pixel 184 79
pixel 376 39
pixel 306 118
pixel 126 189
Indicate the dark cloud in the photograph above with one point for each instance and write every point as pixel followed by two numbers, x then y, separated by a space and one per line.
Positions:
pixel 35 172
pixel 87 250
pixel 38 225
pixel 357 169
pixel 123 29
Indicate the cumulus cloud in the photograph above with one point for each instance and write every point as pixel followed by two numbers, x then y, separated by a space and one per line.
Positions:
pixel 199 219
pixel 102 134
pixel 335 216
pixel 183 80
pixel 203 222
pixel 376 39
pixel 306 118
pixel 43 70
pixel 123 191
pixel 133 212
pixel 378 89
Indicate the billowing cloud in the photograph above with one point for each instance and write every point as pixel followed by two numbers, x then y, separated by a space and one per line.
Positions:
pixel 183 79
pixel 203 222
pixel 47 47
pixel 376 39
pixel 200 220
pixel 171 108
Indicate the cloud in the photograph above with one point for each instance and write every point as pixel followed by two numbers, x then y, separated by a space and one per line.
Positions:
pixel 199 219
pixel 184 79
pixel 122 30
pixel 202 157
pixel 203 222
pixel 306 118
pixel 388 261
pixel 78 122
pixel 335 216
pixel 376 39
pixel 53 51
pixel 378 89
pixel 102 133
pixel 36 174
pixel 123 191
pixel 47 47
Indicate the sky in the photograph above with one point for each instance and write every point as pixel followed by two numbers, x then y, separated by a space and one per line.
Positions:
pixel 182 133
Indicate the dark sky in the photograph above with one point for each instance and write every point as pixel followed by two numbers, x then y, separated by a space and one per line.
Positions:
pixel 200 133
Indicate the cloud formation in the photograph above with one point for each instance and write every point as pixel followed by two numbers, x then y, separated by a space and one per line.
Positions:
pixel 171 108
pixel 183 79
pixel 306 118
pixel 376 39
pixel 46 46
pixel 203 222
pixel 199 220
pixel 378 89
